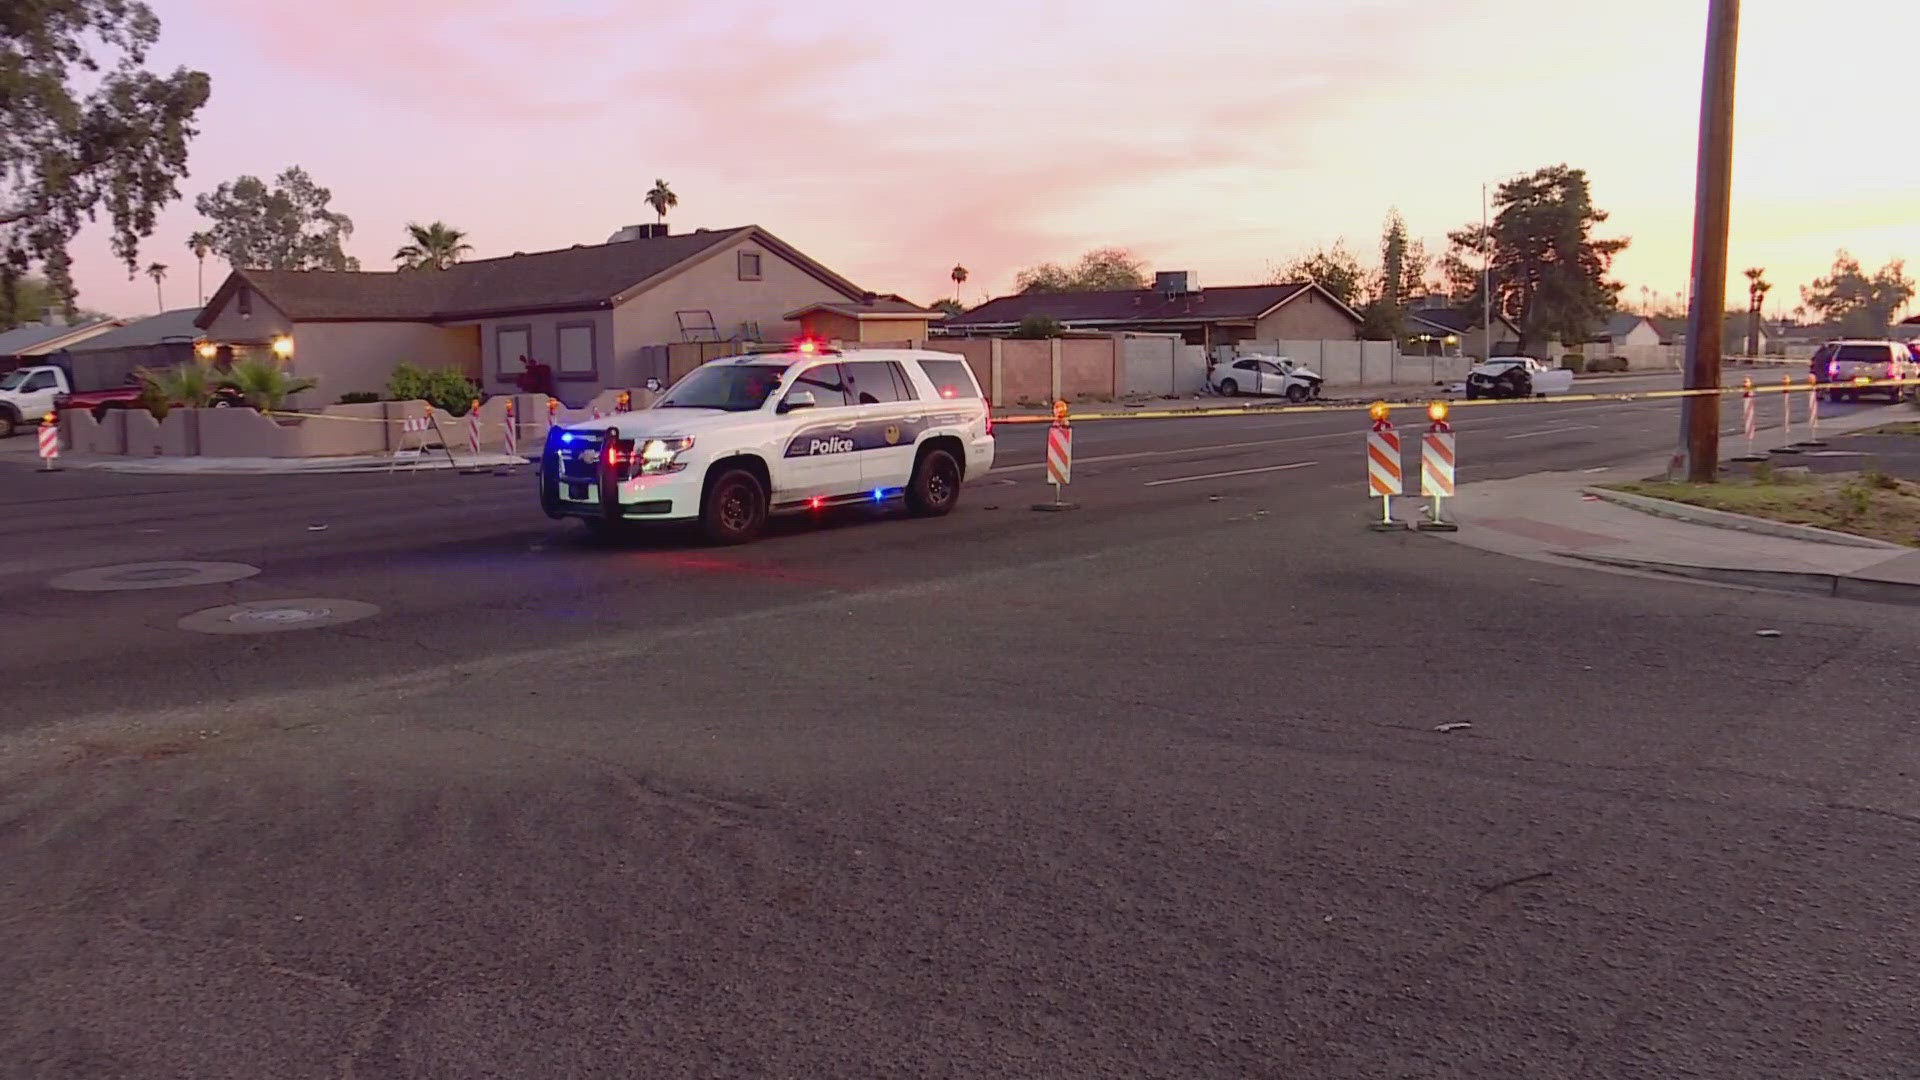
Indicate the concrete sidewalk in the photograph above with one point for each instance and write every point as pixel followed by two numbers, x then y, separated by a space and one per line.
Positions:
pixel 207 466
pixel 1552 517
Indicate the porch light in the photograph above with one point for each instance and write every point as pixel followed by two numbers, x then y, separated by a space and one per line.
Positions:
pixel 206 350
pixel 1452 340
pixel 283 346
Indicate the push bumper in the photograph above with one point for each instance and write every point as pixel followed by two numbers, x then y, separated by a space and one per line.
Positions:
pixel 603 493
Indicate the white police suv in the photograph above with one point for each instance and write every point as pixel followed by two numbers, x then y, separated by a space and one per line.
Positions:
pixel 745 437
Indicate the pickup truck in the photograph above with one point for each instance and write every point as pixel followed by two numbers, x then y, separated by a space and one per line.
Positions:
pixel 1516 377
pixel 29 393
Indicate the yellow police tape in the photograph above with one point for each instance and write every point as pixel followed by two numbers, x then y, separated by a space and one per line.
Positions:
pixel 1563 399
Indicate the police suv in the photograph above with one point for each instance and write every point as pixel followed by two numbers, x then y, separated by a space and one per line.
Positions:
pixel 746 437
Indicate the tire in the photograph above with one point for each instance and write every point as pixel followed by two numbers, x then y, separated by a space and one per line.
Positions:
pixel 8 423
pixel 1229 388
pixel 1296 393
pixel 734 509
pixel 935 487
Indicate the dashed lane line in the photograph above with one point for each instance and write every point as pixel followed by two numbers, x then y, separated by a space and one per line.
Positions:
pixel 1236 472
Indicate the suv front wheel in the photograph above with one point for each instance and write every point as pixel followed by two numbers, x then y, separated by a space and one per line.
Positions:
pixel 735 508
pixel 936 484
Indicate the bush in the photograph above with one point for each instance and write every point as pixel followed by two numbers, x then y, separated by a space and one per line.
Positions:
pixel 359 397
pixel 444 388
pixel 1574 362
pixel 1037 327
pixel 1607 363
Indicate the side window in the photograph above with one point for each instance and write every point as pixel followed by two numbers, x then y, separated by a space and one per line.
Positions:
pixel 829 387
pixel 871 383
pixel 41 380
pixel 950 378
pixel 1245 365
pixel 903 384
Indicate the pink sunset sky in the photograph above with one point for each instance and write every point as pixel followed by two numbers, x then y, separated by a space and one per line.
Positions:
pixel 892 141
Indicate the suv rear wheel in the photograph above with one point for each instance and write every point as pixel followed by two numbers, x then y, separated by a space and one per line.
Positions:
pixel 735 508
pixel 8 421
pixel 936 484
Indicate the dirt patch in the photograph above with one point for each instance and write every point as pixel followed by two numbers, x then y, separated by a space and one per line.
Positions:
pixel 1868 503
pixel 1903 427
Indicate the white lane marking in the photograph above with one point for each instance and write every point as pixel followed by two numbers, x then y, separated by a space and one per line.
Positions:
pixel 1551 431
pixel 1185 450
pixel 1236 472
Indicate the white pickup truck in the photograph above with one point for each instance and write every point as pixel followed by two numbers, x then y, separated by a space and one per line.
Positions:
pixel 27 394
pixel 1517 377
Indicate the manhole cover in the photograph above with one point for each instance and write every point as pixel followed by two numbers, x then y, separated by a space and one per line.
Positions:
pixel 153 575
pixel 273 616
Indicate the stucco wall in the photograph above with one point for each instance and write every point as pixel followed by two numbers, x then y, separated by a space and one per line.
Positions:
pixel 357 357
pixel 1309 316
pixel 544 338
pixel 1026 367
pixel 713 284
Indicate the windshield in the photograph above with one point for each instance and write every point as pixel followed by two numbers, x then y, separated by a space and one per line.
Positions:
pixel 13 379
pixel 732 387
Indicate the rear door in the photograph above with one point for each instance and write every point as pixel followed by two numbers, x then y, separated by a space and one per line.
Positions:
pixel 819 460
pixel 891 420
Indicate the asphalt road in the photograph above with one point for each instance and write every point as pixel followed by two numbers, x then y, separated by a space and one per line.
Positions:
pixel 1150 788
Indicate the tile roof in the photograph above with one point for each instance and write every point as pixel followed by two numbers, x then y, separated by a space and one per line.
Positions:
pixel 1622 323
pixel 32 336
pixel 1234 303
pixel 880 305
pixel 580 277
pixel 176 325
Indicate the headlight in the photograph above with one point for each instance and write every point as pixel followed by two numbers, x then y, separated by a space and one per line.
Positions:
pixel 662 455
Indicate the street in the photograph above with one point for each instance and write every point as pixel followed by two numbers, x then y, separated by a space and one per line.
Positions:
pixel 1150 788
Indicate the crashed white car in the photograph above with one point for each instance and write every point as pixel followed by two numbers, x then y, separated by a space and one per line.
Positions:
pixel 1264 376
pixel 1516 377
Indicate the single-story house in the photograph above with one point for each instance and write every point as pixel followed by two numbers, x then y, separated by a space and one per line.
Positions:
pixel 1733 333
pixel 161 341
pixel 1435 330
pixel 30 344
pixel 874 318
pixel 600 315
pixel 1624 329
pixel 1297 311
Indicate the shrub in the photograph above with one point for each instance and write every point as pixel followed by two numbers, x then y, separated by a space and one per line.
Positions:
pixel 1607 363
pixel 1036 327
pixel 359 397
pixel 1574 362
pixel 190 386
pixel 264 383
pixel 1853 501
pixel 445 388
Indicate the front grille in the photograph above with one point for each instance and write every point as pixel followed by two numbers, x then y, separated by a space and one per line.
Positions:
pixel 579 457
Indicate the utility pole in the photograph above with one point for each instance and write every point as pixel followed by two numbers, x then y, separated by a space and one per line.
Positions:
pixel 1713 195
pixel 1486 276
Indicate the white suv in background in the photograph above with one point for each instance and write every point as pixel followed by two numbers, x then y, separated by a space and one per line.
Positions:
pixel 746 437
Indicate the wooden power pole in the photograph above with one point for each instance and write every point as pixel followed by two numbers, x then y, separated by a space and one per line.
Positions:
pixel 1713 194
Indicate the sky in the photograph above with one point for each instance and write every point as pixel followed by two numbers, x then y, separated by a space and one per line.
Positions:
pixel 1223 137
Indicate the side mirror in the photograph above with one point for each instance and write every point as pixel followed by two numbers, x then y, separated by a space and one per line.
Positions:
pixel 799 399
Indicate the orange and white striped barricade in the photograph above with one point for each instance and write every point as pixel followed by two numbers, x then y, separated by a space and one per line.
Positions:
pixel 1787 445
pixel 473 427
pixel 1812 441
pixel 1747 420
pixel 1383 464
pixel 411 427
pixel 1436 468
pixel 512 436
pixel 1059 457
pixel 49 443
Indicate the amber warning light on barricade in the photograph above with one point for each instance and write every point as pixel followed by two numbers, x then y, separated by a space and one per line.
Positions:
pixel 1437 412
pixel 1377 410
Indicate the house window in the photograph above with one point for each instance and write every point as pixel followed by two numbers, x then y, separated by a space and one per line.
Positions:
pixel 576 351
pixel 749 266
pixel 510 343
pixel 243 299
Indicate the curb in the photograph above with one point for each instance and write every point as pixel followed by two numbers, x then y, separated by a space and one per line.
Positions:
pixel 1722 519
pixel 280 467
pixel 1837 586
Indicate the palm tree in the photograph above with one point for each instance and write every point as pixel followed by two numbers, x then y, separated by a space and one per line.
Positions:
pixel 434 247
pixel 1757 289
pixel 662 199
pixel 264 382
pixel 158 272
pixel 959 277
pixel 201 244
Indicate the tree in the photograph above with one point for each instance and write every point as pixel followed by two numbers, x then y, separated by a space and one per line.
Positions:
pixel 1549 273
pixel 283 227
pixel 1108 269
pixel 84 127
pixel 949 308
pixel 158 272
pixel 264 382
pixel 1863 306
pixel 1757 289
pixel 201 244
pixel 25 300
pixel 662 199
pixel 432 247
pixel 959 276
pixel 1333 269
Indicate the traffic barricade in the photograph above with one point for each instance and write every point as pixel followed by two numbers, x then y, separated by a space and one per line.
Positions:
pixel 49 443
pixel 1059 457
pixel 1383 463
pixel 1812 441
pixel 1747 420
pixel 1788 446
pixel 1436 469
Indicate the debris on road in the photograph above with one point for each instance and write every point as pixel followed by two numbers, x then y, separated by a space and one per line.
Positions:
pixel 316 528
pixel 1767 633
pixel 1445 728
